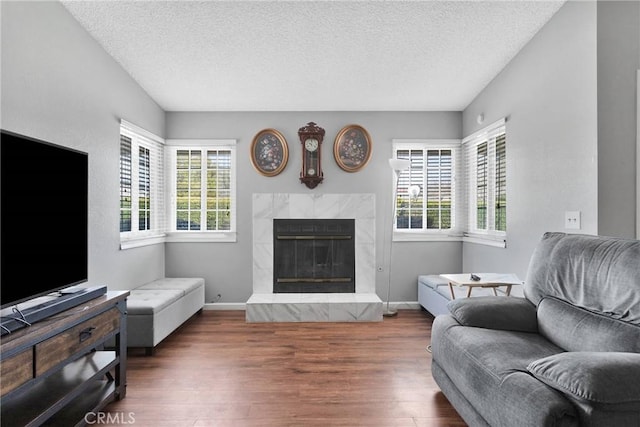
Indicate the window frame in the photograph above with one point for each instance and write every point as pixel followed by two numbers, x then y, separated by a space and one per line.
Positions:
pixel 424 234
pixel 489 135
pixel 143 139
pixel 185 236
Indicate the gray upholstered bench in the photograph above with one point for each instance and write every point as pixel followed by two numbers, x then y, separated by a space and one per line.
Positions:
pixel 156 309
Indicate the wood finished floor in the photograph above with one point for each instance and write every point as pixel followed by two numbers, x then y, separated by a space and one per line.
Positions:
pixel 218 370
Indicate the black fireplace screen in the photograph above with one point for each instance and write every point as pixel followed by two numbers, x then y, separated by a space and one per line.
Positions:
pixel 314 255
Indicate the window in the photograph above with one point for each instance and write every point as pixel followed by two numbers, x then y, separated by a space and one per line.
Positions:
pixel 426 192
pixel 481 186
pixel 141 187
pixel 501 183
pixel 486 167
pixel 202 190
pixel 125 183
pixel 144 189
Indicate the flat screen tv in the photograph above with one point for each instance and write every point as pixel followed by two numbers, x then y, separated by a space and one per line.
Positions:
pixel 44 196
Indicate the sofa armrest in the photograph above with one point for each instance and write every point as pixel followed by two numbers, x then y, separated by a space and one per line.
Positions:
pixel 504 313
pixel 598 378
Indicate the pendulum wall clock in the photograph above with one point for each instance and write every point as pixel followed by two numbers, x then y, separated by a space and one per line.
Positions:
pixel 311 137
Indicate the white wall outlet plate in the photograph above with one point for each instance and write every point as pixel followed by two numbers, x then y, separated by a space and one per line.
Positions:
pixel 572 220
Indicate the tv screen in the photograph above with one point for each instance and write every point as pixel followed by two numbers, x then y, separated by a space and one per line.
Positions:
pixel 44 196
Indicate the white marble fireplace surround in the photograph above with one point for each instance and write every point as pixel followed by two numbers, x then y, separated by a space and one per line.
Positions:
pixel 362 306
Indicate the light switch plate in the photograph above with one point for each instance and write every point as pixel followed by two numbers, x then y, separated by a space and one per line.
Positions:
pixel 572 220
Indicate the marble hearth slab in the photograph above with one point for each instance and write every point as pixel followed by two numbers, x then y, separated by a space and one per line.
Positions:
pixel 362 307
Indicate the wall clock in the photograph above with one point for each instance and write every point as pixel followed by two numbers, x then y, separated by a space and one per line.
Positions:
pixel 311 137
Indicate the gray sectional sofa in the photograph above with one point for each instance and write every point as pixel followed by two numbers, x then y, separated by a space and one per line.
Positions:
pixel 567 354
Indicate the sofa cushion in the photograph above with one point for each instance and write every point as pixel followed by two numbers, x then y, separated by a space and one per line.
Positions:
pixel 598 273
pixel 598 377
pixel 506 313
pixel 576 329
pixel 483 363
pixel 149 301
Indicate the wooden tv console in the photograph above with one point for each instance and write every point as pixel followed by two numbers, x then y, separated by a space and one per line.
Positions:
pixel 59 371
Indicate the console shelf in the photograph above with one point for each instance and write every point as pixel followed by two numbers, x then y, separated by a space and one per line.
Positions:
pixel 68 376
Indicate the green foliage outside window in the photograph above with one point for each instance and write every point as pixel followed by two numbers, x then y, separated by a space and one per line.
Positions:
pixel 217 190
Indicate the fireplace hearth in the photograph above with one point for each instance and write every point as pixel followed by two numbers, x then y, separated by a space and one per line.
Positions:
pixel 314 256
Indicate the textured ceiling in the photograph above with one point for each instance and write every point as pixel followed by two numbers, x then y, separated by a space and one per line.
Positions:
pixel 313 55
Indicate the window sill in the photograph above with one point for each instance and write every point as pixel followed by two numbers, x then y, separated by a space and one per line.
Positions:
pixel 139 242
pixel 412 236
pixel 493 241
pixel 202 237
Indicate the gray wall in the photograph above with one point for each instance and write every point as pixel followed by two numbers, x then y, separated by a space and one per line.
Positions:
pixel 227 266
pixel 59 85
pixel 548 92
pixel 618 62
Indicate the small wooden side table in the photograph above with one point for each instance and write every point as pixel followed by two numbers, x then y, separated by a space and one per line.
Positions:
pixel 487 280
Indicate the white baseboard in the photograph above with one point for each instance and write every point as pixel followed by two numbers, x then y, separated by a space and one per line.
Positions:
pixel 225 306
pixel 402 305
pixel 397 305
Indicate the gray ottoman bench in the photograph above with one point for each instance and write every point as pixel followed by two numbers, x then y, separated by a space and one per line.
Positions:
pixel 156 309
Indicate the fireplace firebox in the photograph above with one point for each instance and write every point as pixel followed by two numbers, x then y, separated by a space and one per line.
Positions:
pixel 314 256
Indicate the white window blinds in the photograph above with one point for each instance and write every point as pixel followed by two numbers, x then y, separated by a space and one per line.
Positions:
pixel 202 188
pixel 485 157
pixel 426 193
pixel 142 201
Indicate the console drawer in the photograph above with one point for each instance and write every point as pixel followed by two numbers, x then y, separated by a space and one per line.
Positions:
pixel 62 346
pixel 16 371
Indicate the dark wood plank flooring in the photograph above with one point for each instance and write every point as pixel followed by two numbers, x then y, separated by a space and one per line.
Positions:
pixel 218 370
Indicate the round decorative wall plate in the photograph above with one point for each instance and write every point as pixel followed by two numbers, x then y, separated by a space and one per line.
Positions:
pixel 269 152
pixel 352 148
